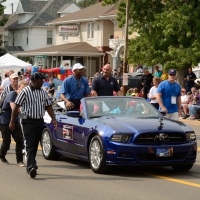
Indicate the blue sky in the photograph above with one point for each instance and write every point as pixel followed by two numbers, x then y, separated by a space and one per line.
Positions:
pixel 8 3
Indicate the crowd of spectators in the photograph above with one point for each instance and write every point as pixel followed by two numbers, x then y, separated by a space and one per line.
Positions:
pixel 190 103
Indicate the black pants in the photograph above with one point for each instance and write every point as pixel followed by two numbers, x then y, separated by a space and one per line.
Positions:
pixel 32 131
pixel 188 89
pixel 17 136
pixel 146 90
pixel 156 105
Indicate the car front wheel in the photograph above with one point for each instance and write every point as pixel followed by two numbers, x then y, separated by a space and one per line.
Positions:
pixel 96 156
pixel 183 167
pixel 48 149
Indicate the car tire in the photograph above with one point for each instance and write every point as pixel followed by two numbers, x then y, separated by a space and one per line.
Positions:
pixel 182 167
pixel 48 150
pixel 97 156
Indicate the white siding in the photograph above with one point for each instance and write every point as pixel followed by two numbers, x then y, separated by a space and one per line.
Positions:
pixel 23 18
pixel 72 8
pixel 37 38
pixel 19 8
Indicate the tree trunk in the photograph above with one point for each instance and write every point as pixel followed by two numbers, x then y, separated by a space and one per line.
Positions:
pixel 181 75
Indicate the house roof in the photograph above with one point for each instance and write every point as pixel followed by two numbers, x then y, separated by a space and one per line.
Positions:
pixel 32 6
pixel 112 11
pixel 75 49
pixel 91 12
pixel 12 19
pixel 47 12
pixel 13 48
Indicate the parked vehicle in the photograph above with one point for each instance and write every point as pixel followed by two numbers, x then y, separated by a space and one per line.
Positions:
pixel 134 81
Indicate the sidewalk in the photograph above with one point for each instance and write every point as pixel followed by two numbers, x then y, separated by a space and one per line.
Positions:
pixel 190 122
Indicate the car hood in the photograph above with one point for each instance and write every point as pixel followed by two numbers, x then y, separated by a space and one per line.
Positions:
pixel 135 125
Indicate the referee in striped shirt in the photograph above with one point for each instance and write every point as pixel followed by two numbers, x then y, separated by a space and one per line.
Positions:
pixel 33 101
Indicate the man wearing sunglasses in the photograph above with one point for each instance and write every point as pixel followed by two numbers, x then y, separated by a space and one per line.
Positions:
pixel 169 96
pixel 74 88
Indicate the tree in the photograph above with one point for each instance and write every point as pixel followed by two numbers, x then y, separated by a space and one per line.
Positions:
pixel 169 32
pixel 86 3
pixel 3 19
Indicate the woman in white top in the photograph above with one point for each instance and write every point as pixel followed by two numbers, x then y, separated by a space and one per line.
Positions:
pixel 152 92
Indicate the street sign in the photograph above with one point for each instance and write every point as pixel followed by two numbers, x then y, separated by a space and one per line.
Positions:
pixel 40 62
pixel 41 56
pixel 125 78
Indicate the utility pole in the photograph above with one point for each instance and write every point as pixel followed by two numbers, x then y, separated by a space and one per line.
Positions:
pixel 12 8
pixel 126 45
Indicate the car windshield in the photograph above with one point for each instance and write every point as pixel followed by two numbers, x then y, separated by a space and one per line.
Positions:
pixel 112 106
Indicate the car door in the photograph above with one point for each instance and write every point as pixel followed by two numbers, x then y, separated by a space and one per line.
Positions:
pixel 82 129
pixel 65 137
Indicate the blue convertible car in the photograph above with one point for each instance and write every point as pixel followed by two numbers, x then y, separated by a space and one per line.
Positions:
pixel 119 131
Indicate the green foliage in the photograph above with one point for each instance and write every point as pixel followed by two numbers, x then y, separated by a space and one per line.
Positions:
pixel 2 7
pixel 86 3
pixel 3 19
pixel 169 31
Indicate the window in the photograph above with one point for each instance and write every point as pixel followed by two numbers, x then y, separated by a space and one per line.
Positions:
pixel 49 37
pixel 64 38
pixel 90 30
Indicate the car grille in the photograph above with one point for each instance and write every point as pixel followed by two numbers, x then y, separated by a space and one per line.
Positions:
pixel 153 157
pixel 153 138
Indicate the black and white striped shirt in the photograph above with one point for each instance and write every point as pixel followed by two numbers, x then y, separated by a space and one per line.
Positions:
pixel 5 91
pixel 33 102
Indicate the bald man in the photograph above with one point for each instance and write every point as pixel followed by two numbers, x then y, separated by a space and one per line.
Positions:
pixel 105 84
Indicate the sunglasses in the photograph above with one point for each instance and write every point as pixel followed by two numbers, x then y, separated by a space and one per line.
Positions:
pixel 78 86
pixel 182 91
pixel 172 74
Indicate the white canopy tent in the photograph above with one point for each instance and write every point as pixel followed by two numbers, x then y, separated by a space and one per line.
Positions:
pixel 10 62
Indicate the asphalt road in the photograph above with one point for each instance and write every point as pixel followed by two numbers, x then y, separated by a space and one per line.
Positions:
pixel 74 180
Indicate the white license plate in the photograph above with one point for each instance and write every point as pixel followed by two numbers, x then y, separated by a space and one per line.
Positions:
pixel 165 152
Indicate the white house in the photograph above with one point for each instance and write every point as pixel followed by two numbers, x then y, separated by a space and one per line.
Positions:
pixel 30 31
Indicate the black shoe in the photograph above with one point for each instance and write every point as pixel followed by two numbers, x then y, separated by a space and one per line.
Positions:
pixel 4 161
pixel 184 116
pixel 33 173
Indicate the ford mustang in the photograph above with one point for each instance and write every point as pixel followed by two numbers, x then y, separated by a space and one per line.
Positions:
pixel 119 131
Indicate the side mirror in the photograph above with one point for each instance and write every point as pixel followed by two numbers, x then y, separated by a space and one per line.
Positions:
pixel 162 112
pixel 81 121
pixel 74 114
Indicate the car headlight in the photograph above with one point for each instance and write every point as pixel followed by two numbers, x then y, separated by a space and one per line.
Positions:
pixel 125 138
pixel 190 136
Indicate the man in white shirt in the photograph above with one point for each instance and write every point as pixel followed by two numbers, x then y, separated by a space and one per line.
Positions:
pixel 6 82
pixel 184 103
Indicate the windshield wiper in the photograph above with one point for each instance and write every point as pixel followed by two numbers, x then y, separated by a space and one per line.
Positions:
pixel 95 116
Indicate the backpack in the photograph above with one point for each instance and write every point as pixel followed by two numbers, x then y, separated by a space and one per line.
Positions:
pixel 3 98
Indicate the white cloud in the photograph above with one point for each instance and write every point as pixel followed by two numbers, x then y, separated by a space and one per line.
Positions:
pixel 8 5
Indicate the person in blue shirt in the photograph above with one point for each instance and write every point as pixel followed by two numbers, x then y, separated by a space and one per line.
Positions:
pixel 169 96
pixel 5 118
pixel 74 88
